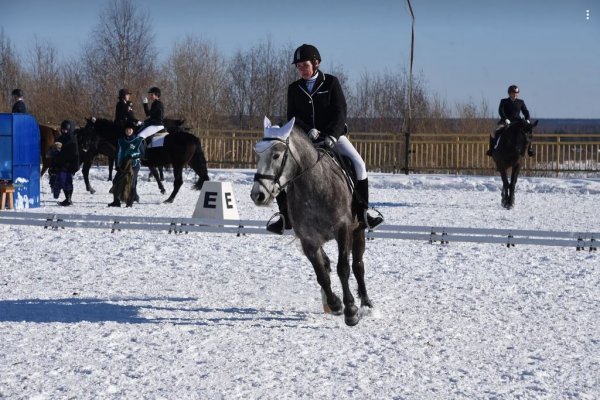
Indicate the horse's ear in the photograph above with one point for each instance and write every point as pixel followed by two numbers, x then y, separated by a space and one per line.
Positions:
pixel 289 125
pixel 267 122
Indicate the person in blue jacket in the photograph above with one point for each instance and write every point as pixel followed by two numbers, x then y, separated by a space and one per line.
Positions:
pixel 128 162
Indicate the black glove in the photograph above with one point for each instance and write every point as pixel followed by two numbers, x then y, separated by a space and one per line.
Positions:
pixel 330 141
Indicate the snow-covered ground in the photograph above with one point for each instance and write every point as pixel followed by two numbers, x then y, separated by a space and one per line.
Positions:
pixel 92 314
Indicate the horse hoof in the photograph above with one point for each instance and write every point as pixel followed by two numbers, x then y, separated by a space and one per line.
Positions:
pixel 351 315
pixel 352 321
pixel 168 201
pixel 92 191
pixel 163 191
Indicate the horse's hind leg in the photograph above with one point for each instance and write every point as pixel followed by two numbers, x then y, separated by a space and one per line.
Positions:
pixel 358 266
pixel 177 182
pixel 315 253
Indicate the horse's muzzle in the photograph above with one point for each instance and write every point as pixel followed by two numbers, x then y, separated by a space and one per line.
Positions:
pixel 260 196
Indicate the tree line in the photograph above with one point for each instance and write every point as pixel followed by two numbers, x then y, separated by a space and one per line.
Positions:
pixel 200 85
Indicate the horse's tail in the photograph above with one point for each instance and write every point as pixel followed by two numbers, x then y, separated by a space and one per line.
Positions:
pixel 198 164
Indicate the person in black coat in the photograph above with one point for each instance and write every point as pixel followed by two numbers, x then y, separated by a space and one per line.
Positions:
pixel 155 114
pixel 19 106
pixel 66 161
pixel 318 104
pixel 124 112
pixel 510 110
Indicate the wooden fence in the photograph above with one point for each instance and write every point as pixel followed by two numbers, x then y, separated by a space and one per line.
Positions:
pixel 556 154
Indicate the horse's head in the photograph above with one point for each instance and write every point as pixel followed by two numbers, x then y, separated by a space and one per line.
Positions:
pixel 87 136
pixel 273 152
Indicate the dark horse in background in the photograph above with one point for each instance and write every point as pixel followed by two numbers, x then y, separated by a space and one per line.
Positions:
pixel 321 209
pixel 180 148
pixel 508 154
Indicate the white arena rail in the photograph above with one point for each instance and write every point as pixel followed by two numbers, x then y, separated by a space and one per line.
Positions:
pixel 442 235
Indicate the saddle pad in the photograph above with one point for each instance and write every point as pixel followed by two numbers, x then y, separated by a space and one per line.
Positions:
pixel 158 140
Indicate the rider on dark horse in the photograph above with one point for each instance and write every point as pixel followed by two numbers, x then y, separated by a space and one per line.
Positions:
pixel 124 112
pixel 317 102
pixel 510 110
pixel 155 114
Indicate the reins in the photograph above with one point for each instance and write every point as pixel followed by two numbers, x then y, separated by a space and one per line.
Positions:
pixel 275 178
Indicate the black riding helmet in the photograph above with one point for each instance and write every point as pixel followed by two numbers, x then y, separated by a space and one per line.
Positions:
pixel 123 92
pixel 154 90
pixel 306 52
pixel 17 92
pixel 513 88
pixel 65 126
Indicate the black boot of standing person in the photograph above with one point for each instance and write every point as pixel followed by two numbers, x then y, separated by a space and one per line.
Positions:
pixel 67 201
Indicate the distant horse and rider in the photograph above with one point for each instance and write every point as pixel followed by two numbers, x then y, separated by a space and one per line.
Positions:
pixel 508 153
pixel 180 148
pixel 322 207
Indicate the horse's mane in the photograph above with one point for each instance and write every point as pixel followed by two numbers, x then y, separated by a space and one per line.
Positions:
pixel 104 122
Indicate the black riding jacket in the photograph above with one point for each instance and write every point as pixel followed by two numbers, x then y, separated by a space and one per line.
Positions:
pixel 323 109
pixel 512 110
pixel 155 113
pixel 19 107
pixel 68 157
pixel 124 114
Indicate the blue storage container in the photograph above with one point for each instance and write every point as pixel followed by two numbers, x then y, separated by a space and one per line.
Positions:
pixel 20 157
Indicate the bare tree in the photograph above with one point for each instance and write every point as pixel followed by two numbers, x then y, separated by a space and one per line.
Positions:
pixel 43 82
pixel 10 72
pixel 193 75
pixel 120 53
pixel 257 83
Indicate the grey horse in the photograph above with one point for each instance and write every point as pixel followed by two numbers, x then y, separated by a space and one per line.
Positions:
pixel 320 208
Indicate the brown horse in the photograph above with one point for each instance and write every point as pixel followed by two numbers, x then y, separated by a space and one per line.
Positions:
pixel 47 137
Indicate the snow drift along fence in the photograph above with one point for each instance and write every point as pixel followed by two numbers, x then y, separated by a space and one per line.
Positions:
pixel 426 234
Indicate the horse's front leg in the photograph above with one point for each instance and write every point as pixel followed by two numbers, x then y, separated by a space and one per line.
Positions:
pixel 505 187
pixel 358 266
pixel 85 171
pixel 320 264
pixel 513 184
pixel 155 173
pixel 343 270
pixel 177 182
pixel 111 163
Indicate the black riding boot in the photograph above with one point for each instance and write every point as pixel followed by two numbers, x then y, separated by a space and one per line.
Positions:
pixel 362 189
pixel 530 151
pixel 491 148
pixel 277 225
pixel 67 201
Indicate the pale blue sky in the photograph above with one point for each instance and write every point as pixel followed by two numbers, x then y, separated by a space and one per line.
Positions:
pixel 465 49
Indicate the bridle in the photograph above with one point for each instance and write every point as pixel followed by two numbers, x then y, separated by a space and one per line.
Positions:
pixel 276 178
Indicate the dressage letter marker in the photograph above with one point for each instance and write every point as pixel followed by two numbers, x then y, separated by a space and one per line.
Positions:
pixel 216 201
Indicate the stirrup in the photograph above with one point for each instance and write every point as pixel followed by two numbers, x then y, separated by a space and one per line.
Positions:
pixel 372 222
pixel 278 226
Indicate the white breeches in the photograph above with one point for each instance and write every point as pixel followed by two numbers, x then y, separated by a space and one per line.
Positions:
pixel 150 130
pixel 345 148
